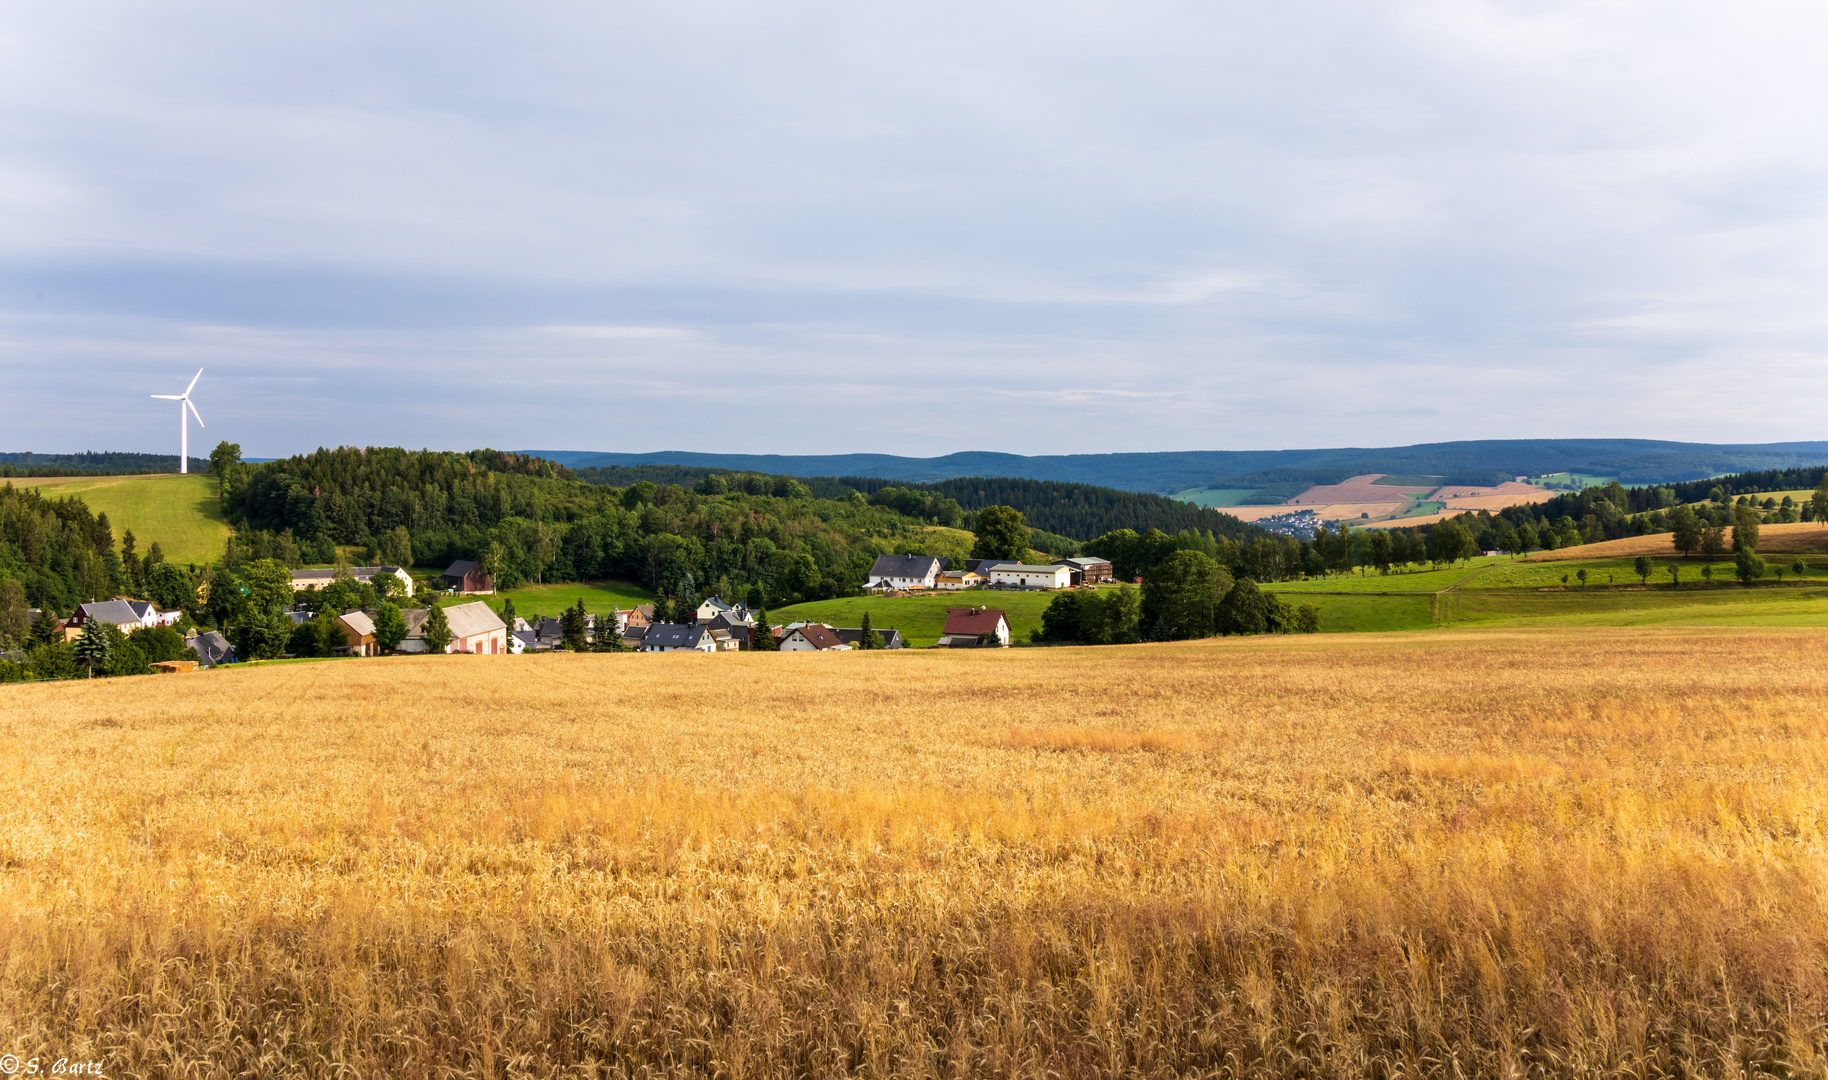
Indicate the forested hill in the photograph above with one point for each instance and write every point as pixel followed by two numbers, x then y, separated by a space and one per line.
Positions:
pixel 1633 461
pixel 1078 511
pixel 1081 511
pixel 772 539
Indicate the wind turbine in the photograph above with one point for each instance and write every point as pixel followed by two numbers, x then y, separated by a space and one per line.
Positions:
pixel 183 422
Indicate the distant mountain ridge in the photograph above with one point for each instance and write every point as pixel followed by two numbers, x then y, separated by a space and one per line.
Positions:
pixel 1633 461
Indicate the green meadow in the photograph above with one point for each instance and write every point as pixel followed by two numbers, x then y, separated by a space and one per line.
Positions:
pixel 921 619
pixel 179 512
pixel 598 596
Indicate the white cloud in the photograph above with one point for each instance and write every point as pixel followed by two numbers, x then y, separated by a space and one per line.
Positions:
pixel 1248 224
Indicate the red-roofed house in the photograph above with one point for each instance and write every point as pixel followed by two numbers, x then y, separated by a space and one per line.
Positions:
pixel 970 628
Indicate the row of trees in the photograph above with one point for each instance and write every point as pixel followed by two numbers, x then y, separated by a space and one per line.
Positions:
pixel 1186 595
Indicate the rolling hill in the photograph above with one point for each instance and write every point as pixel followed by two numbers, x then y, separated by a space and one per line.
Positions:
pixel 1632 461
pixel 179 512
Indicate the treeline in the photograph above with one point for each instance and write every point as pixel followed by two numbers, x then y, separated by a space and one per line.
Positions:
pixel 92 464
pixel 1186 595
pixel 1719 489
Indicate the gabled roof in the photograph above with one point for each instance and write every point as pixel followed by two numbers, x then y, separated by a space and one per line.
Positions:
pixel 211 646
pixel 414 618
pixel 818 635
pixel 460 568
pixel 118 612
pixel 891 638
pixel 1027 568
pixel 973 621
pixel 716 603
pixel 468 620
pixel 905 566
pixel 673 635
pixel 359 622
pixel 1082 562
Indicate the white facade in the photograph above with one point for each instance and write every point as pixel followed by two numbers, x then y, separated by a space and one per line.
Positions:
pixel 1031 577
pixel 903 572
pixel 955 580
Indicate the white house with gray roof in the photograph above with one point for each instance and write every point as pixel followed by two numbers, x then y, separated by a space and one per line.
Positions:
pixel 904 572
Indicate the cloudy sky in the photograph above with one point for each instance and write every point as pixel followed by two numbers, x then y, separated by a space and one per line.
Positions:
pixel 911 228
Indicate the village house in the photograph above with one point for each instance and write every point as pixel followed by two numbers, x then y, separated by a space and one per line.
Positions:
pixel 711 608
pixel 678 637
pixel 212 648
pixel 467 578
pixel 1087 570
pixel 970 628
pixel 904 572
pixel 128 615
pixel 955 580
pixel 318 578
pixel 737 623
pixel 1024 576
pixel 474 629
pixel 812 637
pixel 358 631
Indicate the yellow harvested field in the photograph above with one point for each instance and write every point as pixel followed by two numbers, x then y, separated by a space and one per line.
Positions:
pixel 1357 489
pixel 1495 503
pixel 1800 538
pixel 1477 854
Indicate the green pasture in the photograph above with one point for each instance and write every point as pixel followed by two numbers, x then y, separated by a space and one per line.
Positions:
pixel 1717 606
pixel 1419 580
pixel 598 596
pixel 1358 613
pixel 180 512
pixel 1215 497
pixel 921 619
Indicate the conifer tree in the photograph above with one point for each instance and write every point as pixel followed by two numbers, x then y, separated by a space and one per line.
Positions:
pixel 437 630
pixel 92 647
pixel 761 638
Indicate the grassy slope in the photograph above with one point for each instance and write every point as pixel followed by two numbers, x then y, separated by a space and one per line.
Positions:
pixel 1374 582
pixel 1719 606
pixel 1364 613
pixel 598 596
pixel 921 619
pixel 180 512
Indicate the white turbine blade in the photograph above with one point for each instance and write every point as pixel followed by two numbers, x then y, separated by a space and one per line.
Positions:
pixel 193 384
pixel 194 412
pixel 169 397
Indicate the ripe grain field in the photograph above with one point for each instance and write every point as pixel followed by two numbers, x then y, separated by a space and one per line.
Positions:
pixel 1448 854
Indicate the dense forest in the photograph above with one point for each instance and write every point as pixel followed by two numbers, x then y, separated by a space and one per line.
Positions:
pixel 1057 508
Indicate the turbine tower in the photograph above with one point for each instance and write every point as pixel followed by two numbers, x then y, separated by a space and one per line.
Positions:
pixel 183 421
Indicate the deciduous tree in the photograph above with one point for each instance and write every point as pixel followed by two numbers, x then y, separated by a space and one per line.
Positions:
pixel 1002 533
pixel 389 627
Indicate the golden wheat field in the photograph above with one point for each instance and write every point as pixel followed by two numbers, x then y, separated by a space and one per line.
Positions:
pixel 1446 854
